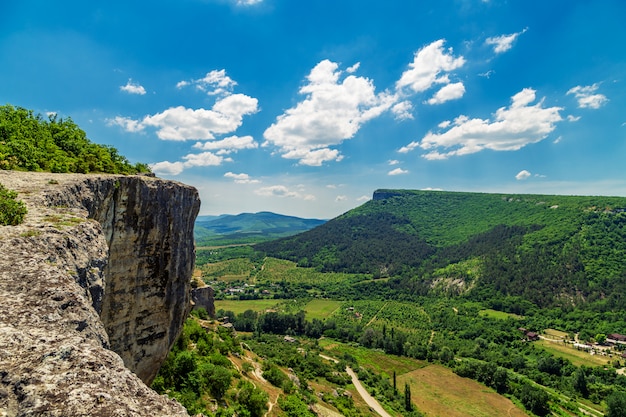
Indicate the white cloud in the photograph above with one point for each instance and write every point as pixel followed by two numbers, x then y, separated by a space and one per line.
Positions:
pixel 215 82
pixel 512 128
pixel 167 168
pixel 408 148
pixel 191 160
pixel 333 111
pixel 398 171
pixel 586 97
pixel 228 145
pixel 571 118
pixel 203 159
pixel 364 198
pixel 402 110
pixel 181 123
pixel 522 175
pixel 504 42
pixel 241 178
pixel 448 92
pixel 393 162
pixel 247 2
pixel 353 69
pixel 133 88
pixel 341 198
pixel 430 66
pixel 126 123
pixel 282 191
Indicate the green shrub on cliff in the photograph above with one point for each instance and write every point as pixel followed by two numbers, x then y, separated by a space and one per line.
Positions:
pixel 29 142
pixel 12 212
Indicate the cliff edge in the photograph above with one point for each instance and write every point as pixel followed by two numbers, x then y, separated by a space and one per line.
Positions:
pixel 94 289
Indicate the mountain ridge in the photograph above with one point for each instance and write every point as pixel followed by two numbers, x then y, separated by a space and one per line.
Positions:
pixel 549 249
pixel 249 227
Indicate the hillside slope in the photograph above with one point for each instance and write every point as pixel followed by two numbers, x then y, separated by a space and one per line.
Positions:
pixel 547 249
pixel 249 227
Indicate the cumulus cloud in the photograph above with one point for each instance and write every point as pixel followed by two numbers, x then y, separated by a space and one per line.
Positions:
pixel 133 88
pixel 393 162
pixel 448 92
pixel 571 118
pixel 215 82
pixel 587 97
pixel 167 168
pixel 181 123
pixel 503 43
pixel 431 65
pixel 191 160
pixel 333 110
pixel 241 178
pixel 403 110
pixel 397 171
pixel 363 198
pixel 512 128
pixel 341 198
pixel 282 191
pixel 522 175
pixel 228 145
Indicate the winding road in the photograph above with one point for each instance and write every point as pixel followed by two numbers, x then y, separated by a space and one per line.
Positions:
pixel 371 401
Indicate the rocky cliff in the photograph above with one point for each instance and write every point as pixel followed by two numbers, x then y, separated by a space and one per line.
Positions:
pixel 94 288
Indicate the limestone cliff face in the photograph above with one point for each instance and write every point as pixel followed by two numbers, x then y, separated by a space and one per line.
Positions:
pixel 94 288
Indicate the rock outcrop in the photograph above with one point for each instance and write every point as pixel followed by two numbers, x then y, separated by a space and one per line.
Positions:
pixel 204 297
pixel 94 289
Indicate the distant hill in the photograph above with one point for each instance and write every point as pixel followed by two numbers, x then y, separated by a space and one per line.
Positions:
pixel 545 249
pixel 249 228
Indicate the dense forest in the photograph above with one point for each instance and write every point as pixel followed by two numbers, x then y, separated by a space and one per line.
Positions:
pixel 30 142
pixel 548 250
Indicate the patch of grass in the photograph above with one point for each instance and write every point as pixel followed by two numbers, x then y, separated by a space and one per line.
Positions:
pixel 239 306
pixel 499 315
pixel 577 357
pixel 375 360
pixel 321 309
pixel 31 233
pixel 59 220
pixel 437 391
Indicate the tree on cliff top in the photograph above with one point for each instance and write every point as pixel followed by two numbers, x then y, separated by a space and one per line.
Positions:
pixel 29 142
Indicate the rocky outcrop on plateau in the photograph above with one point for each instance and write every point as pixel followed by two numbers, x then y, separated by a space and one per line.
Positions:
pixel 94 289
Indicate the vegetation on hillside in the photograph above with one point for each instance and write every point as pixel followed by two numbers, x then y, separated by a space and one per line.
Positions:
pixel 12 211
pixel 547 250
pixel 247 228
pixel 30 142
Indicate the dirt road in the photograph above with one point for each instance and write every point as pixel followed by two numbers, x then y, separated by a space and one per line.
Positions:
pixel 371 401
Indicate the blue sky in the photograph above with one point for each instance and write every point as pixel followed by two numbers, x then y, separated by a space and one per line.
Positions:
pixel 306 107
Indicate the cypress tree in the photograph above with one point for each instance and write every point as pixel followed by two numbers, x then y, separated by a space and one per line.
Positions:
pixel 407 397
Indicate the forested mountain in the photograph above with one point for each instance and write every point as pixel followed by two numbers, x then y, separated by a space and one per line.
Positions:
pixel 546 249
pixel 249 227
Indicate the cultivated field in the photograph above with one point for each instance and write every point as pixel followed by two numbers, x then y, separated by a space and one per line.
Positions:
pixel 321 309
pixel 437 391
pixel 577 357
pixel 239 306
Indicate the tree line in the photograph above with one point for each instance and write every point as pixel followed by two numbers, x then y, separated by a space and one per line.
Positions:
pixel 30 142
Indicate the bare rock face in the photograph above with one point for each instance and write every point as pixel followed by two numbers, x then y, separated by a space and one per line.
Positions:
pixel 204 297
pixel 94 288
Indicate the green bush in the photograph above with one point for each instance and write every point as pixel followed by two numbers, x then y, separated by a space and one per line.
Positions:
pixel 12 212
pixel 29 142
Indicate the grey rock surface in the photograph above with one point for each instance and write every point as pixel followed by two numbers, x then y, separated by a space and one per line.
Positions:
pixel 204 297
pixel 94 289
